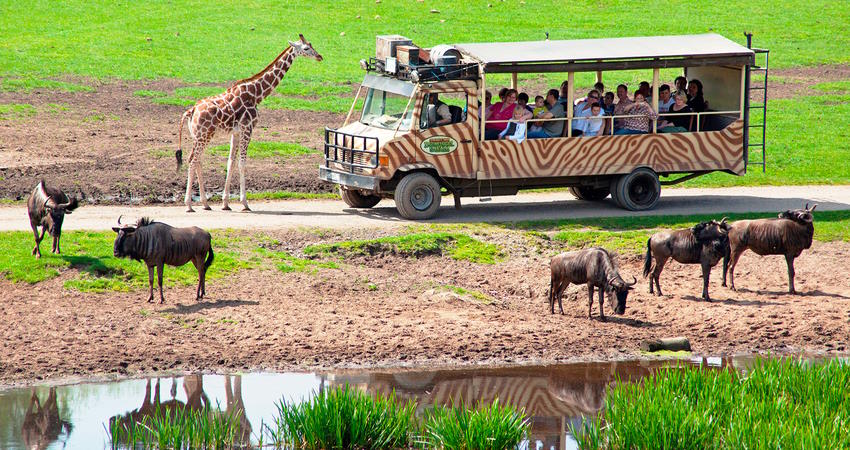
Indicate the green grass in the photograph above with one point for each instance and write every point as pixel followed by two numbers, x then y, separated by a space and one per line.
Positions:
pixel 286 263
pixel 30 84
pixel 177 429
pixel 469 293
pixel 12 111
pixel 486 427
pixel 457 246
pixel 91 254
pixel 629 234
pixel 260 150
pixel 343 418
pixel 776 404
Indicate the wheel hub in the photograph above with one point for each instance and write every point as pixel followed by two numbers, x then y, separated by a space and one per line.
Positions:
pixel 421 198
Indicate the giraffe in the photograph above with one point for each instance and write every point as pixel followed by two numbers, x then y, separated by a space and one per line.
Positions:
pixel 234 111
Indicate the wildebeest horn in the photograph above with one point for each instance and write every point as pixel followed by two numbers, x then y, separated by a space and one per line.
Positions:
pixel 723 220
pixel 807 206
pixel 633 282
pixel 813 207
pixel 119 219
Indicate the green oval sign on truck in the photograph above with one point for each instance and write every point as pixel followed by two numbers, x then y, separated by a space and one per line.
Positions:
pixel 438 145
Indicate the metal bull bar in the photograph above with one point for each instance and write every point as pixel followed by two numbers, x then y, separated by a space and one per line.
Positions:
pixel 342 148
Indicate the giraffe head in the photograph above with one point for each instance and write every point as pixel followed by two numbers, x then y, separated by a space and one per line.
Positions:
pixel 304 48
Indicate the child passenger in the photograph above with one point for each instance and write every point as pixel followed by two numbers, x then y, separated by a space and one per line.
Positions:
pixel 593 125
pixel 516 128
pixel 538 111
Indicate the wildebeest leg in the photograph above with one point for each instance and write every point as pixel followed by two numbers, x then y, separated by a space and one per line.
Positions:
pixel 552 294
pixel 736 253
pixel 160 267
pixel 706 273
pixel 231 160
pixel 243 155
pixel 589 300
pixel 199 265
pixel 56 245
pixel 601 303
pixel 150 282
pixel 789 259
pixel 37 250
pixel 656 275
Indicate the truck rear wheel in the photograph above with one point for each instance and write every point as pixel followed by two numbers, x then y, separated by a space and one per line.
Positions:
pixel 637 191
pixel 589 193
pixel 357 199
pixel 417 196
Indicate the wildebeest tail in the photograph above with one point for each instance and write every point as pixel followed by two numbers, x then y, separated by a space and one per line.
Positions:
pixel 179 153
pixel 647 262
pixel 210 258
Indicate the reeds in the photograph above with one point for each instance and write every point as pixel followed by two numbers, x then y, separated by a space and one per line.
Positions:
pixel 177 429
pixel 779 403
pixel 486 427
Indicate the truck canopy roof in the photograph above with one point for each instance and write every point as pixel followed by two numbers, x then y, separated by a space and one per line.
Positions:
pixel 608 54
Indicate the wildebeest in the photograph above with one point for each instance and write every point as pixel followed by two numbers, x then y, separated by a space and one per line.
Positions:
pixel 47 207
pixel 158 244
pixel 705 244
pixel 594 267
pixel 788 235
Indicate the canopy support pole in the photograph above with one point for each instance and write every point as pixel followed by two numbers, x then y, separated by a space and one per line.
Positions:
pixel 570 100
pixel 655 80
pixel 513 80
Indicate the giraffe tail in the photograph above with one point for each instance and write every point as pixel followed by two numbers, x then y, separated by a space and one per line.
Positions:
pixel 179 153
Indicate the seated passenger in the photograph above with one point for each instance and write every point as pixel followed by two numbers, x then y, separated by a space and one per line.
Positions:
pixel 638 125
pixel 583 109
pixel 516 128
pixel 564 95
pixel 646 90
pixel 622 102
pixel 583 105
pixel 550 128
pixel 438 112
pixel 488 101
pixel 593 125
pixel 665 100
pixel 502 111
pixel 522 100
pixel 608 103
pixel 681 83
pixel 502 93
pixel 695 98
pixel 679 123
pixel 599 87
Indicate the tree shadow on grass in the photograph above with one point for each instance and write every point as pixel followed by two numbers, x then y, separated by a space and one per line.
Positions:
pixel 92 265
pixel 205 304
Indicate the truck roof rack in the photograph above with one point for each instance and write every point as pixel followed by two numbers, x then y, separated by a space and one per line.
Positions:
pixel 425 73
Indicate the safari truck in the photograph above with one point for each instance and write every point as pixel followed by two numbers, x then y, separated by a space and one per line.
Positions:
pixel 396 149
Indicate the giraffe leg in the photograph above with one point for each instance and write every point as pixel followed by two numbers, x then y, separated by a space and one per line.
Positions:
pixel 243 154
pixel 190 178
pixel 201 192
pixel 231 160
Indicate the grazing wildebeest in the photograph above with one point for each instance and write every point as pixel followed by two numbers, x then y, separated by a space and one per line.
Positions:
pixel 704 244
pixel 47 207
pixel 788 235
pixel 594 267
pixel 158 244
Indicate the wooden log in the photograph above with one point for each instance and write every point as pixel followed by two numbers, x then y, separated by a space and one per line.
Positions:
pixel 675 344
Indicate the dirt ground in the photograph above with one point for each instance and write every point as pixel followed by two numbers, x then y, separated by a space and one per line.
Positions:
pixel 393 311
pixel 114 147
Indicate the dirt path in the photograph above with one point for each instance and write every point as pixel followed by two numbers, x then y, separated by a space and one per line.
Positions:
pixel 535 206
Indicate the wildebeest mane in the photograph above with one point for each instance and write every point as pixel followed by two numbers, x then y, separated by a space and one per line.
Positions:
pixel 144 221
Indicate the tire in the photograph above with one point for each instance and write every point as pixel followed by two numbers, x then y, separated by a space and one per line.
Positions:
pixel 637 191
pixel 357 199
pixel 417 196
pixel 590 194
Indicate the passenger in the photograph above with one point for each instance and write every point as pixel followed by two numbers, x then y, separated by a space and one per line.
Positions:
pixel 584 104
pixel 638 125
pixel 665 100
pixel 500 111
pixel 681 83
pixel 564 95
pixel 593 125
pixel 552 128
pixel 438 112
pixel 680 122
pixel 537 112
pixel 488 101
pixel 522 100
pixel 695 98
pixel 516 129
pixel 608 103
pixel 646 90
pixel 502 93
pixel 599 87
pixel 622 102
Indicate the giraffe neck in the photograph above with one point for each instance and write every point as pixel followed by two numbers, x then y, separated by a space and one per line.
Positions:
pixel 267 80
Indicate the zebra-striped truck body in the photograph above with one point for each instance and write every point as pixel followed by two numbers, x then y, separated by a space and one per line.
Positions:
pixel 371 157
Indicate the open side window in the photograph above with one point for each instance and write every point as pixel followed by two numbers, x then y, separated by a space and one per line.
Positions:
pixel 442 109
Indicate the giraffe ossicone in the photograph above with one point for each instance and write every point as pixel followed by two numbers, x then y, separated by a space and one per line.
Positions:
pixel 233 111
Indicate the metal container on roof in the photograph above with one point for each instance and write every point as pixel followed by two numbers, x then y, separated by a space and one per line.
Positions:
pixel 445 55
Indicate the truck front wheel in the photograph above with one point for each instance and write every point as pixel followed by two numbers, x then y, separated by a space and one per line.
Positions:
pixel 357 199
pixel 417 196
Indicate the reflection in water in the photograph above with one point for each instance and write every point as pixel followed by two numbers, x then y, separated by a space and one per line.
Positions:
pixel 42 424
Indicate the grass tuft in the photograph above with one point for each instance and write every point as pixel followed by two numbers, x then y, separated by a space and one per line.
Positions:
pixel 13 111
pixel 260 150
pixel 457 246
pixel 178 428
pixel 486 427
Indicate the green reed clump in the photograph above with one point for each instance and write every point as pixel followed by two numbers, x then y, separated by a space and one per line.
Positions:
pixel 485 427
pixel 779 403
pixel 178 429
pixel 343 418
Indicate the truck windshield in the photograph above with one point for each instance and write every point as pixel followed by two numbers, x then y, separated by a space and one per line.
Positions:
pixel 384 109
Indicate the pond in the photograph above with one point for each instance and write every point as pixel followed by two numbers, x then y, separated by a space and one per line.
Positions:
pixel 77 416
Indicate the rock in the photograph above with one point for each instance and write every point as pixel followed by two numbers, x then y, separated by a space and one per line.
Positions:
pixel 342 33
pixel 435 11
pixel 670 344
